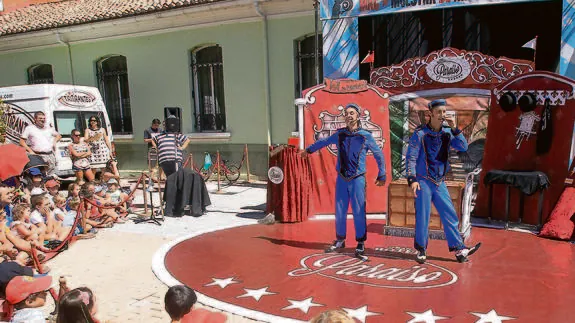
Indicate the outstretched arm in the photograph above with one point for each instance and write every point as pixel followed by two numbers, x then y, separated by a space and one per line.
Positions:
pixel 322 143
pixel 378 155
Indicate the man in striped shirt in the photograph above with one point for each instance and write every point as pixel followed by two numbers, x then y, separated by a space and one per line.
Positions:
pixel 170 148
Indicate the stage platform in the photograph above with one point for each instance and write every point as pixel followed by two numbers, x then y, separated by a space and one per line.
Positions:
pixel 279 273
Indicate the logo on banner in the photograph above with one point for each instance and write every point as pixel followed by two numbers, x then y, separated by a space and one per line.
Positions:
pixel 448 69
pixel 330 123
pixel 77 99
pixel 16 120
pixel 390 270
pixel 276 175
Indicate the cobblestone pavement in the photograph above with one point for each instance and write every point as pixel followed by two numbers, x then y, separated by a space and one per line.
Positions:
pixel 116 264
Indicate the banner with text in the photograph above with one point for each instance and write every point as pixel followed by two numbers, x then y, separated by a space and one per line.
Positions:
pixel 358 8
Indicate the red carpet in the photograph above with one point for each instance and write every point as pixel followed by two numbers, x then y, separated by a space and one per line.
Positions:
pixel 282 270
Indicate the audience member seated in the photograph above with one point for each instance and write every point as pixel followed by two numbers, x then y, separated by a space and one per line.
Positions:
pixel 179 302
pixel 104 199
pixel 78 306
pixel 333 316
pixel 53 188
pixel 73 192
pixel 101 216
pixel 28 295
pixel 43 217
pixel 117 197
pixel 9 270
pixel 22 228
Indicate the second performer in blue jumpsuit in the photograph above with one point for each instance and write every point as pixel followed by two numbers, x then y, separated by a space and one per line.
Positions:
pixel 427 164
pixel 352 142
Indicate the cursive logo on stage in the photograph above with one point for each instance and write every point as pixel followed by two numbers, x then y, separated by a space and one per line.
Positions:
pixel 379 272
pixel 448 69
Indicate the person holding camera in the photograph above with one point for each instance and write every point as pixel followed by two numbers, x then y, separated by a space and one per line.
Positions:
pixel 170 146
pixel 427 164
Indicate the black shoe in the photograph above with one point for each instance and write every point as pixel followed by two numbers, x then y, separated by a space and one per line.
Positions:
pixel 337 244
pixel 421 257
pixel 461 255
pixel 360 249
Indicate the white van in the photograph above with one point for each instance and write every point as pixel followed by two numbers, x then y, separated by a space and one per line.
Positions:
pixel 67 107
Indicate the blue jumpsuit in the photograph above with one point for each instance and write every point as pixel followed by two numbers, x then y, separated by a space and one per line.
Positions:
pixel 352 147
pixel 427 163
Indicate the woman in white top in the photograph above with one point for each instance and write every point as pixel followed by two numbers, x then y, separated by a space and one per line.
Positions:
pixel 99 142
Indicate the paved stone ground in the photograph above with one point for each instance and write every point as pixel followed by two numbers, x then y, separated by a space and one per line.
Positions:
pixel 116 264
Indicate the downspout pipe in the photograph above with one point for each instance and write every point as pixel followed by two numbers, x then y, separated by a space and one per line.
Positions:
pixel 59 37
pixel 266 68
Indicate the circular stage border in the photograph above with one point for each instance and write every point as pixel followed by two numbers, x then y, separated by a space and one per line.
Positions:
pixel 162 273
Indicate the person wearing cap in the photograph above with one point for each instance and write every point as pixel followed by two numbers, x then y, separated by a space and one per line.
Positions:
pixel 28 296
pixel 53 187
pixel 149 135
pixel 353 143
pixel 117 196
pixel 427 164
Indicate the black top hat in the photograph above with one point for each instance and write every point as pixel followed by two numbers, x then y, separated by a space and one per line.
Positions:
pixel 508 102
pixel 527 102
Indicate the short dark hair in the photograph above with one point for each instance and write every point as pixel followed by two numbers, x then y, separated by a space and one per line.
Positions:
pixel 38 113
pixel 179 301
pixel 75 130
pixel 156 121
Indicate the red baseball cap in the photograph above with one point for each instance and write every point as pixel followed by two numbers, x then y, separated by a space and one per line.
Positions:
pixel 52 183
pixel 20 287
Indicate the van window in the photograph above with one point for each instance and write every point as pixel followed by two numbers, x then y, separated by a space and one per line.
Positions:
pixel 67 121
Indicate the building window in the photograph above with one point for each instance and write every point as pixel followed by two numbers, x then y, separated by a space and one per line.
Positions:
pixel 208 79
pixel 113 83
pixel 40 74
pixel 305 53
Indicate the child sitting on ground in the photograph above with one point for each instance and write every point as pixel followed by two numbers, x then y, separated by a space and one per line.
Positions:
pixel 179 302
pixel 84 228
pixel 102 197
pixel 43 217
pixel 21 226
pixel 117 197
pixel 77 305
pixel 28 295
pixel 73 192
pixel 60 207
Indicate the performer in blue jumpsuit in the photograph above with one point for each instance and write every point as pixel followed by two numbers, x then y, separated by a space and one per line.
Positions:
pixel 427 165
pixel 352 142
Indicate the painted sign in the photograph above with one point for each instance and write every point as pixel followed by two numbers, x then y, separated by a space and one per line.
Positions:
pixel 332 122
pixel 76 99
pixel 16 120
pixel 358 8
pixel 448 69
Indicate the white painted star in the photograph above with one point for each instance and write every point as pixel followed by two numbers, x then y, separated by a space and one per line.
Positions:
pixel 223 283
pixel 256 293
pixel 360 313
pixel 425 317
pixel 304 305
pixel 491 317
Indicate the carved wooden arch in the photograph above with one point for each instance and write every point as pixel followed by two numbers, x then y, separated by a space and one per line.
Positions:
pixel 449 67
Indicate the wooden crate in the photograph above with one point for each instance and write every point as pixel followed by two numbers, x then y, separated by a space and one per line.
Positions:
pixel 402 205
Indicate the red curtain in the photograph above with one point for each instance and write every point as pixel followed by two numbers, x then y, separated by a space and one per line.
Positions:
pixel 289 200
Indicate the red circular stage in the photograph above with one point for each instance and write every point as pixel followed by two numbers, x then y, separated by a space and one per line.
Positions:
pixel 280 272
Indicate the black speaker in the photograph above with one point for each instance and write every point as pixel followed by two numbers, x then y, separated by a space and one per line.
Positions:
pixel 173 118
pixel 528 102
pixel 173 124
pixel 508 102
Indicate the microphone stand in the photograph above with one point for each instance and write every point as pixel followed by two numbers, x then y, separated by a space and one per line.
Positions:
pixel 152 218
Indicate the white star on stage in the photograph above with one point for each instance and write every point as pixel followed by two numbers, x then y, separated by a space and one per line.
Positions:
pixel 425 317
pixel 360 313
pixel 256 293
pixel 223 283
pixel 491 317
pixel 304 305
